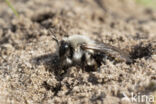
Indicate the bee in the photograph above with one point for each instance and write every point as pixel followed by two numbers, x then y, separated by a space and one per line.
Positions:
pixel 80 50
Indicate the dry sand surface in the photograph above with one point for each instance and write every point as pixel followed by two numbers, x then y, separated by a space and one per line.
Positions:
pixel 28 63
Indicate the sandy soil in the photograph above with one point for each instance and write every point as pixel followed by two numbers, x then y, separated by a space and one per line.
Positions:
pixel 28 73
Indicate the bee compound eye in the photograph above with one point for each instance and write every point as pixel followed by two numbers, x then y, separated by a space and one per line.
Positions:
pixel 63 48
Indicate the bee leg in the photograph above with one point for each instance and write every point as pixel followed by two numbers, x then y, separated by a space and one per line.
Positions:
pixel 83 62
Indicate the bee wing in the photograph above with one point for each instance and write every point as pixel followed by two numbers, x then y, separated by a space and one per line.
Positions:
pixel 109 50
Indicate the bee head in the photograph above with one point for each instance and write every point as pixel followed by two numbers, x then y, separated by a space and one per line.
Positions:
pixel 65 49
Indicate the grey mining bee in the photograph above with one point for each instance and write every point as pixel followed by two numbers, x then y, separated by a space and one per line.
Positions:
pixel 80 50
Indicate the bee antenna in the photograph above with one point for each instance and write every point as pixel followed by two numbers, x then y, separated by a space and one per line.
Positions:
pixel 54 36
